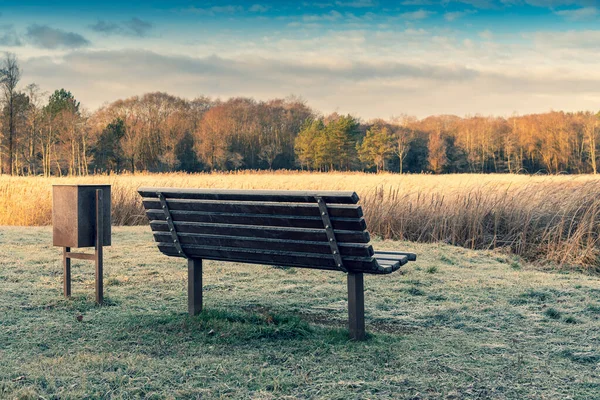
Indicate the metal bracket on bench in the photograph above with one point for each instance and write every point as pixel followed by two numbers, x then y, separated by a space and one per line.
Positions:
pixel 335 251
pixel 163 203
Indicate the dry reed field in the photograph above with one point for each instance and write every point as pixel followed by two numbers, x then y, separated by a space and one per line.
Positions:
pixel 550 220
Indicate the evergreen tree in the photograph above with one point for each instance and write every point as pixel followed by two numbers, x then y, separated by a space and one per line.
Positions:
pixel 340 147
pixel 309 144
pixel 108 152
pixel 187 160
pixel 62 100
pixel 377 147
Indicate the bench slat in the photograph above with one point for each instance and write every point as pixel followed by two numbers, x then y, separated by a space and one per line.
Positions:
pixel 346 249
pixel 266 257
pixel 386 261
pixel 290 196
pixel 269 232
pixel 391 255
pixel 338 210
pixel 388 266
pixel 348 224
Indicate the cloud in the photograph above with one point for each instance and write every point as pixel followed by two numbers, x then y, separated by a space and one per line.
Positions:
pixel 356 3
pixel 106 27
pixel 454 15
pixel 330 16
pixel 417 32
pixel 578 14
pixel 415 15
pixel 317 5
pixel 259 8
pixel 394 59
pixel 419 3
pixel 9 36
pixel 305 26
pixel 212 11
pixel 496 4
pixel 51 38
pixel 370 89
pixel 132 27
pixel 138 26
pixel 228 73
pixel 572 40
pixel 226 9
pixel 486 35
pixel 484 4
pixel 553 3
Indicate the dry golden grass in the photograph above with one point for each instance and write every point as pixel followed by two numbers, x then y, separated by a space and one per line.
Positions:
pixel 551 219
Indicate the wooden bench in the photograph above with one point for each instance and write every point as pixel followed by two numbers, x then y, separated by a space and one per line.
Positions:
pixel 308 229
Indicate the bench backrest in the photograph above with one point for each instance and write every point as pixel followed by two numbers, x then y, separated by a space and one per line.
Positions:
pixel 260 226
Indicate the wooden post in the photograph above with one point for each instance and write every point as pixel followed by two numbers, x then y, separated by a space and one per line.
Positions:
pixel 194 286
pixel 99 240
pixel 67 271
pixel 356 306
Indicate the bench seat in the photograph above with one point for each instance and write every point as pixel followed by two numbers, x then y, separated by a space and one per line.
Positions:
pixel 307 229
pixel 373 265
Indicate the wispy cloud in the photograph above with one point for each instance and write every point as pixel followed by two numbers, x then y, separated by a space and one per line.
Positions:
pixel 486 35
pixel 553 3
pixel 417 87
pixel 226 9
pixel 9 36
pixel 332 15
pixel 318 4
pixel 51 38
pixel 579 14
pixel 418 3
pixel 485 4
pixel 414 32
pixel 454 15
pixel 416 15
pixel 211 11
pixel 356 3
pixel 423 50
pixel 588 40
pixel 106 27
pixel 259 8
pixel 137 26
pixel 132 27
pixel 497 4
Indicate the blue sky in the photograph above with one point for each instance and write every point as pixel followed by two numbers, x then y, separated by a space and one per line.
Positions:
pixel 366 57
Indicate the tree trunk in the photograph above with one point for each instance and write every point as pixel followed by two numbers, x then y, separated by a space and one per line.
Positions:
pixel 11 133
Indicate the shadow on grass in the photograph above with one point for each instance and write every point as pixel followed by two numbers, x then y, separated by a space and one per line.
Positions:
pixel 220 326
pixel 250 326
pixel 582 357
pixel 228 327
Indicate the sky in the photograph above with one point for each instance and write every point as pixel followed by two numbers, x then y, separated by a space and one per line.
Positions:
pixel 368 58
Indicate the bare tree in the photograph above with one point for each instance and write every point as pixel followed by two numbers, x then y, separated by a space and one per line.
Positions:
pixel 403 134
pixel 10 74
pixel 269 153
pixel 591 123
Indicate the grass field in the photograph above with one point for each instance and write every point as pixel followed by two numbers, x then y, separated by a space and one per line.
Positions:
pixel 550 220
pixel 457 324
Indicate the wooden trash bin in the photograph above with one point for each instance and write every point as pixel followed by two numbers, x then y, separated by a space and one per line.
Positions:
pixel 81 218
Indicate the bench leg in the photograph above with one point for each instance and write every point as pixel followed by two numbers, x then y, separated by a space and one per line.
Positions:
pixel 356 306
pixel 194 286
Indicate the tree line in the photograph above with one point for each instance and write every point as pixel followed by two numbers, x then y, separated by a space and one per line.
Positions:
pixel 53 134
